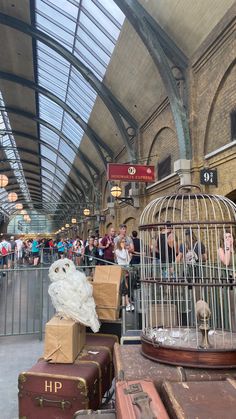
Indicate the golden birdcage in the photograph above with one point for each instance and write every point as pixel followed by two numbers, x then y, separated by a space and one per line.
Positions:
pixel 188 279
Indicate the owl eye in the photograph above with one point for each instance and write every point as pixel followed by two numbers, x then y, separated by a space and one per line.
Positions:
pixel 57 270
pixel 67 264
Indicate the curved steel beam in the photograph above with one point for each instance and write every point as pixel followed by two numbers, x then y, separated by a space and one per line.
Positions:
pixel 31 172
pixel 41 121
pixel 50 196
pixel 34 183
pixel 49 161
pixel 54 149
pixel 37 194
pixel 145 27
pixel 94 138
pixel 50 147
pixel 34 187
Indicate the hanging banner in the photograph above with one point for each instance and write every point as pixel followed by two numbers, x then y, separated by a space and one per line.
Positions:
pixel 130 172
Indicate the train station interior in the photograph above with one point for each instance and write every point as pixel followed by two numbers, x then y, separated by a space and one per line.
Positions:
pixel 92 86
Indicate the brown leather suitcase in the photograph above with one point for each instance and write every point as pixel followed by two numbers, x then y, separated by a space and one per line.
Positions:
pixel 138 399
pixel 101 356
pixel 201 400
pixel 101 339
pixel 130 364
pixel 99 414
pixel 57 391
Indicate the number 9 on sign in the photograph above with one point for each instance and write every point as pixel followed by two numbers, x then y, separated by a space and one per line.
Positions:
pixel 208 177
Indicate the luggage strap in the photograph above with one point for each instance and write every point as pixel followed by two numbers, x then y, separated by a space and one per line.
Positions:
pixel 141 399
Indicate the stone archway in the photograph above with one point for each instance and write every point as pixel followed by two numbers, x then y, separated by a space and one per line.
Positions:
pixel 131 223
pixel 232 196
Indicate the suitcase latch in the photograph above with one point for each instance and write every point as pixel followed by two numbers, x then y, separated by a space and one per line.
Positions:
pixel 142 400
pixel 133 388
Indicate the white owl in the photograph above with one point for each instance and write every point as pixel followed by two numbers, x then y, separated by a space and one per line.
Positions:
pixel 72 294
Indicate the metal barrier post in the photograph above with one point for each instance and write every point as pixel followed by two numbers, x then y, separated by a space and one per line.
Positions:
pixel 41 256
pixel 136 309
pixel 41 305
pixel 123 315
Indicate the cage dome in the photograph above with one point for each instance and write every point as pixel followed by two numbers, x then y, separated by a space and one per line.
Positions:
pixel 188 279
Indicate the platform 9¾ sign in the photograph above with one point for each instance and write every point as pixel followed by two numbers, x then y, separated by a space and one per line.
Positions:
pixel 208 177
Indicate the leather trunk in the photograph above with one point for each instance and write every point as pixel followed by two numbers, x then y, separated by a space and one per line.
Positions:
pixel 138 399
pixel 57 391
pixel 201 400
pixel 130 364
pixel 102 339
pixel 99 414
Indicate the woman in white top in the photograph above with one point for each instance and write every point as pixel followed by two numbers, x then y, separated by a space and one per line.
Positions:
pixel 123 258
pixel 122 254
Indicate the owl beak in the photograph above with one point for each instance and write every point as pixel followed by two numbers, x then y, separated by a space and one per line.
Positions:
pixel 64 270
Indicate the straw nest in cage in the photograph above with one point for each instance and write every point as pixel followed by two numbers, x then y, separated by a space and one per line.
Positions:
pixel 188 279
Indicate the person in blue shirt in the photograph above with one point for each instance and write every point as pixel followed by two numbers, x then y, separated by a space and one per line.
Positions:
pixel 35 252
pixel 61 248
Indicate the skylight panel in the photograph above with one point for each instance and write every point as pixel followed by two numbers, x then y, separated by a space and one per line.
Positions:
pixel 63 165
pixel 103 20
pixel 48 165
pixel 89 30
pixel 48 154
pixel 67 151
pixel 49 136
pixel 55 11
pixel 47 175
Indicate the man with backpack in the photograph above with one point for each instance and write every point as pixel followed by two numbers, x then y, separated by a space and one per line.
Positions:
pixel 5 249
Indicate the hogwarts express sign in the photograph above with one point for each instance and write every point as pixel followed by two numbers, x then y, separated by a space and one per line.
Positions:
pixel 130 172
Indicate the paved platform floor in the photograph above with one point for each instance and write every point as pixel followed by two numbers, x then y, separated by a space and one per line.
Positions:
pixel 17 354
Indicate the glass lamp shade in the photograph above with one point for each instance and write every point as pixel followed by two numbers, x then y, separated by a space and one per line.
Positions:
pixel 12 197
pixel 18 206
pixel 3 181
pixel 86 211
pixel 73 220
pixel 67 225
pixel 116 191
pixel 63 228
pixel 23 212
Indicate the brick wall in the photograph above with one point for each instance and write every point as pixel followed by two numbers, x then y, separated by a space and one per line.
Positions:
pixel 214 81
pixel 164 144
pixel 158 136
pixel 218 131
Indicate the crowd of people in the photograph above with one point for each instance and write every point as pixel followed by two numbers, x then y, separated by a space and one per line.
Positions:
pixel 112 248
pixel 116 248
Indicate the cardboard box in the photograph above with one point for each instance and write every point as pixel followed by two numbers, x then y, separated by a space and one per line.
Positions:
pixel 107 299
pixel 64 339
pixel 108 273
pixel 106 291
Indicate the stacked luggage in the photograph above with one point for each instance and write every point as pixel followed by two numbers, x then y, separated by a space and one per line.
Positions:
pixel 55 390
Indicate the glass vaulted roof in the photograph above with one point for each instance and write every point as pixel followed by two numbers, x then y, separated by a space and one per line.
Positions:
pixel 88 29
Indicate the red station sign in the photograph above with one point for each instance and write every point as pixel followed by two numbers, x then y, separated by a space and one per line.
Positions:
pixel 130 172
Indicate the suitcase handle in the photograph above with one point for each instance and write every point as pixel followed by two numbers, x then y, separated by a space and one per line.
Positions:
pixel 142 400
pixel 63 404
